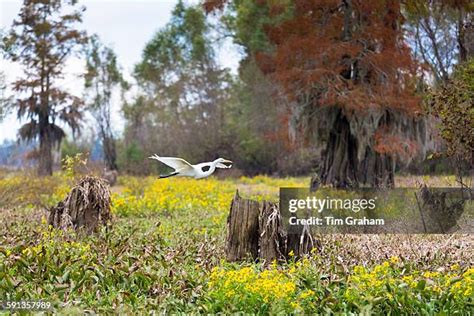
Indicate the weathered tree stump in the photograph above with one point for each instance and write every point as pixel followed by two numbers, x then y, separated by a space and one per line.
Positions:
pixel 242 224
pixel 255 231
pixel 85 207
pixel 439 213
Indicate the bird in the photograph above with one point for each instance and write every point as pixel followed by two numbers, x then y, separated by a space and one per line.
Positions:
pixel 182 168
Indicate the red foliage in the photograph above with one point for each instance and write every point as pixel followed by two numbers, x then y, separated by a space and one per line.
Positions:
pixel 390 144
pixel 368 66
pixel 346 54
pixel 213 5
pixel 280 134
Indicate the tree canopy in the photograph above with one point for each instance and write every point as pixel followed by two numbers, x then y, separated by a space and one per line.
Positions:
pixel 183 86
pixel 348 76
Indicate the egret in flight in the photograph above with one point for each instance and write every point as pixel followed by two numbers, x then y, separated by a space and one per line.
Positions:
pixel 182 168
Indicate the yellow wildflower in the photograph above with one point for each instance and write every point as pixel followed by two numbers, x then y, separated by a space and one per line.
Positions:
pixel 394 260
pixel 306 294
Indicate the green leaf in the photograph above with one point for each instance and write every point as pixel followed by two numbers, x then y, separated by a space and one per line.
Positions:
pixel 421 285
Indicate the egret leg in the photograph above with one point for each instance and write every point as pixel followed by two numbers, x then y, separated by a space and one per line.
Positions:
pixel 168 175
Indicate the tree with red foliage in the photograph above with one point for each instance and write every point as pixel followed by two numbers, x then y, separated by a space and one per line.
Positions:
pixel 350 79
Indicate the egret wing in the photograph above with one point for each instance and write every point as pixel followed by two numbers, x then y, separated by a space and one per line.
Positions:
pixel 178 164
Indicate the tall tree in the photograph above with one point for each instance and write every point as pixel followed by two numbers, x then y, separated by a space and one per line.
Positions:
pixel 187 88
pixel 348 70
pixel 42 37
pixel 348 76
pixel 263 142
pixel 102 77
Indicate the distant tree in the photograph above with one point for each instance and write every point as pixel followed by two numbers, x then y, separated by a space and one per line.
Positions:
pixel 184 88
pixel 464 10
pixel 41 39
pixel 432 30
pixel 263 142
pixel 252 117
pixel 73 148
pixel 136 114
pixel 132 159
pixel 101 78
pixel 4 98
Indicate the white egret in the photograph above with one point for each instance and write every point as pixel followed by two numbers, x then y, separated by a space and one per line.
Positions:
pixel 182 168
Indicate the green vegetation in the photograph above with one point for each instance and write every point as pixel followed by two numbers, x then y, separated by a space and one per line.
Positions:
pixel 165 250
pixel 453 103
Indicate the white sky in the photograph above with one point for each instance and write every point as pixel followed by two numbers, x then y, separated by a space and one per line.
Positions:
pixel 124 25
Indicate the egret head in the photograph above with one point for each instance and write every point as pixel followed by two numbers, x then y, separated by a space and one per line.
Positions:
pixel 223 163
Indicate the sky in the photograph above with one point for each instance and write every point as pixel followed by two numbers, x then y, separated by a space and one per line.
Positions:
pixel 124 25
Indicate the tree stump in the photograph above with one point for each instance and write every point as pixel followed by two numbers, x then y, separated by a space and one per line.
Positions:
pixel 242 224
pixel 255 231
pixel 441 214
pixel 85 207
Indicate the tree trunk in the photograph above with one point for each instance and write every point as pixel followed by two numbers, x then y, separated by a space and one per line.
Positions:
pixel 465 36
pixel 110 154
pixel 469 39
pixel 377 170
pixel 339 167
pixel 242 227
pixel 45 166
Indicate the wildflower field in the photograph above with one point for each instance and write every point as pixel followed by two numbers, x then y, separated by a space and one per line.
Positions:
pixel 165 250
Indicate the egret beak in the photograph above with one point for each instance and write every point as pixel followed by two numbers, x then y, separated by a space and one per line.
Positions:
pixel 225 164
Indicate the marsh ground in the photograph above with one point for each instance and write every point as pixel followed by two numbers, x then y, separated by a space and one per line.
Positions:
pixel 165 252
